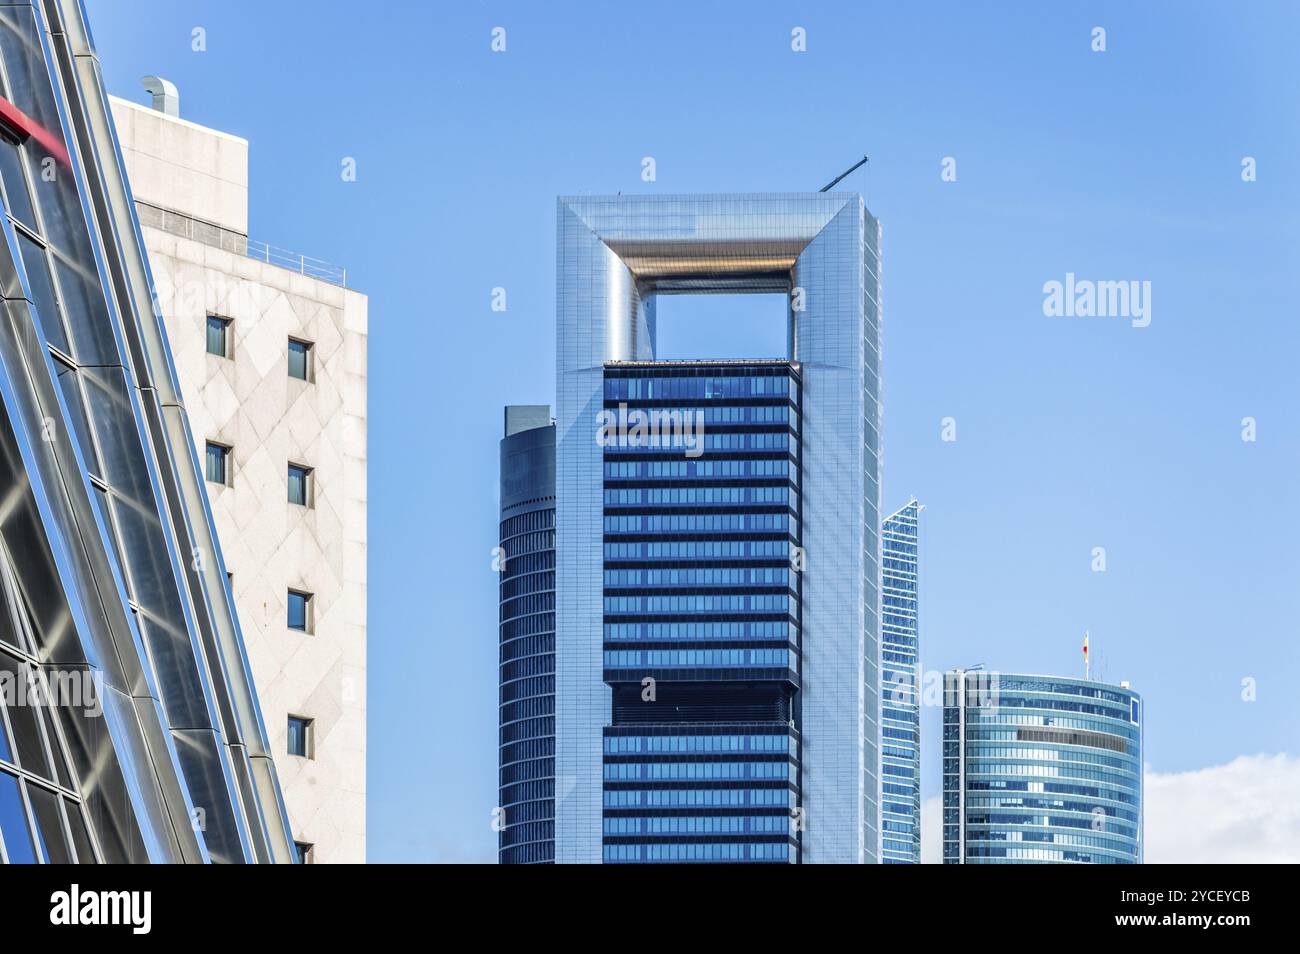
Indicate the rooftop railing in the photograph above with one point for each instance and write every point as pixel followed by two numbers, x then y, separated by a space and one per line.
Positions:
pixel 303 264
pixel 197 230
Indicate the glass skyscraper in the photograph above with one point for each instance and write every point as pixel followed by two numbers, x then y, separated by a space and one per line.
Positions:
pixel 129 725
pixel 1040 769
pixel 717 609
pixel 526 561
pixel 900 701
pixel 701 614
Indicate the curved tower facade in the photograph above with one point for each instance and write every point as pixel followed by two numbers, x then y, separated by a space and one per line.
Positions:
pixel 526 562
pixel 1040 769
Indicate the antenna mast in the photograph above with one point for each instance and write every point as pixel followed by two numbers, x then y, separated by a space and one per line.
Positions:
pixel 836 181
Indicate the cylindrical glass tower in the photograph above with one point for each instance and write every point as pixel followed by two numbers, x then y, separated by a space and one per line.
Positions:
pixel 1040 769
pixel 526 562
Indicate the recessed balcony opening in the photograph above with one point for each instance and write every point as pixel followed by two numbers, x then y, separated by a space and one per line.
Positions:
pixel 721 327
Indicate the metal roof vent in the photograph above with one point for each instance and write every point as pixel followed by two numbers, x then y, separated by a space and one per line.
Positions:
pixel 166 98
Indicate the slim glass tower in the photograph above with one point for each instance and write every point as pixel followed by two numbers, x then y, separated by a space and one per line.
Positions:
pixel 736 700
pixel 900 703
pixel 526 562
pixel 1040 769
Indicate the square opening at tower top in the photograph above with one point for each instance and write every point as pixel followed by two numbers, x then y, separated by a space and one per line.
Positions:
pixel 721 327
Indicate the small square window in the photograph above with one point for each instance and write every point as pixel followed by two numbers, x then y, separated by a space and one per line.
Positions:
pixel 216 464
pixel 299 359
pixel 305 852
pixel 299 611
pixel 300 485
pixel 219 336
pixel 300 739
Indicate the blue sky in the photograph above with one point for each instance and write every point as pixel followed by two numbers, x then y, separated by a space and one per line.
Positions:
pixel 1072 433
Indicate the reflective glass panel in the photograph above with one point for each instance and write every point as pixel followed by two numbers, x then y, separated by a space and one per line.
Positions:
pixel 13 823
pixel 49 825
pixel 298 610
pixel 298 477
pixel 20 703
pixel 217 328
pixel 80 836
pixel 298 729
pixel 298 358
pixel 215 463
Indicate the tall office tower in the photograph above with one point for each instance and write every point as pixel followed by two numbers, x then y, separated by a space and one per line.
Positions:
pixel 270 353
pixel 129 725
pixel 1040 769
pixel 900 700
pixel 526 562
pixel 701 610
pixel 717 653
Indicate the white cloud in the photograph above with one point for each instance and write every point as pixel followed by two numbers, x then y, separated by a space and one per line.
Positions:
pixel 1247 811
pixel 1244 812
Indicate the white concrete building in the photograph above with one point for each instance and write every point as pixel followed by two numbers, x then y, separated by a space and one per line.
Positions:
pixel 270 350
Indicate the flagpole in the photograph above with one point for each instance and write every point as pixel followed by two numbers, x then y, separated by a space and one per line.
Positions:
pixel 1087 660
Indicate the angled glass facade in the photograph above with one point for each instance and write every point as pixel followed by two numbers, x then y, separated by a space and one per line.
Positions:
pixel 42 811
pixel 615 256
pixel 701 613
pixel 1040 769
pixel 900 701
pixel 129 726
pixel 526 562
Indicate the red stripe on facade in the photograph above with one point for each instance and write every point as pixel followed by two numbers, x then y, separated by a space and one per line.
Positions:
pixel 23 127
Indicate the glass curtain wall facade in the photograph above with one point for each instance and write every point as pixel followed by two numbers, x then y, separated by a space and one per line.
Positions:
pixel 701 614
pixel 526 562
pixel 615 256
pixel 900 705
pixel 42 812
pixel 129 727
pixel 1040 769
